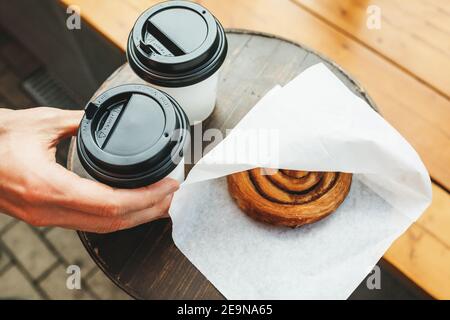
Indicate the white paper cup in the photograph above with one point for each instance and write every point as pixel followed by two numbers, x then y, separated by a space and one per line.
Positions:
pixel 179 47
pixel 197 100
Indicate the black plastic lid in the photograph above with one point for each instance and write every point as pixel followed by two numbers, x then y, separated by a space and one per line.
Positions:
pixel 176 44
pixel 131 136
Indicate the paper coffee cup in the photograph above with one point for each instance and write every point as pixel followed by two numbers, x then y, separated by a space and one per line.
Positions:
pixel 132 136
pixel 179 47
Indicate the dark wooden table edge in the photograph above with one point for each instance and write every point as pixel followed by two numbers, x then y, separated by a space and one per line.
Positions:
pixel 82 235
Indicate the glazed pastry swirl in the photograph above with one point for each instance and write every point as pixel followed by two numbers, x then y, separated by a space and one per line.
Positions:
pixel 288 197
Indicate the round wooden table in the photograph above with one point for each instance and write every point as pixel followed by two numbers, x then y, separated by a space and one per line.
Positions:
pixel 144 261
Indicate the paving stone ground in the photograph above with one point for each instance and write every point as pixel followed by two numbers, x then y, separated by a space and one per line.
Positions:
pixel 34 261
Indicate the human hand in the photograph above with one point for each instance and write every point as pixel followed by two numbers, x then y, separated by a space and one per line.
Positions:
pixel 34 188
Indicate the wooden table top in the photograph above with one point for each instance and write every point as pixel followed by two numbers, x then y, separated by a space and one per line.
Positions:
pixel 144 261
pixel 404 66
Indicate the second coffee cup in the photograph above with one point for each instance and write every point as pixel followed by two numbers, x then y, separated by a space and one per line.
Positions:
pixel 179 47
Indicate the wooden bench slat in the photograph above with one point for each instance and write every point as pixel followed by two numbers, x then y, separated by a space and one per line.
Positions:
pixel 423 259
pixel 112 18
pixel 415 35
pixel 436 219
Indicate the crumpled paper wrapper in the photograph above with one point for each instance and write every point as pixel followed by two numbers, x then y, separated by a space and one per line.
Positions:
pixel 321 126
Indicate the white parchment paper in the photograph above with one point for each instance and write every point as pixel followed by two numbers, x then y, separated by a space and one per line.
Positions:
pixel 322 126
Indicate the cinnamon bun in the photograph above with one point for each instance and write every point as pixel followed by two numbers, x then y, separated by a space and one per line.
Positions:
pixel 288 197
